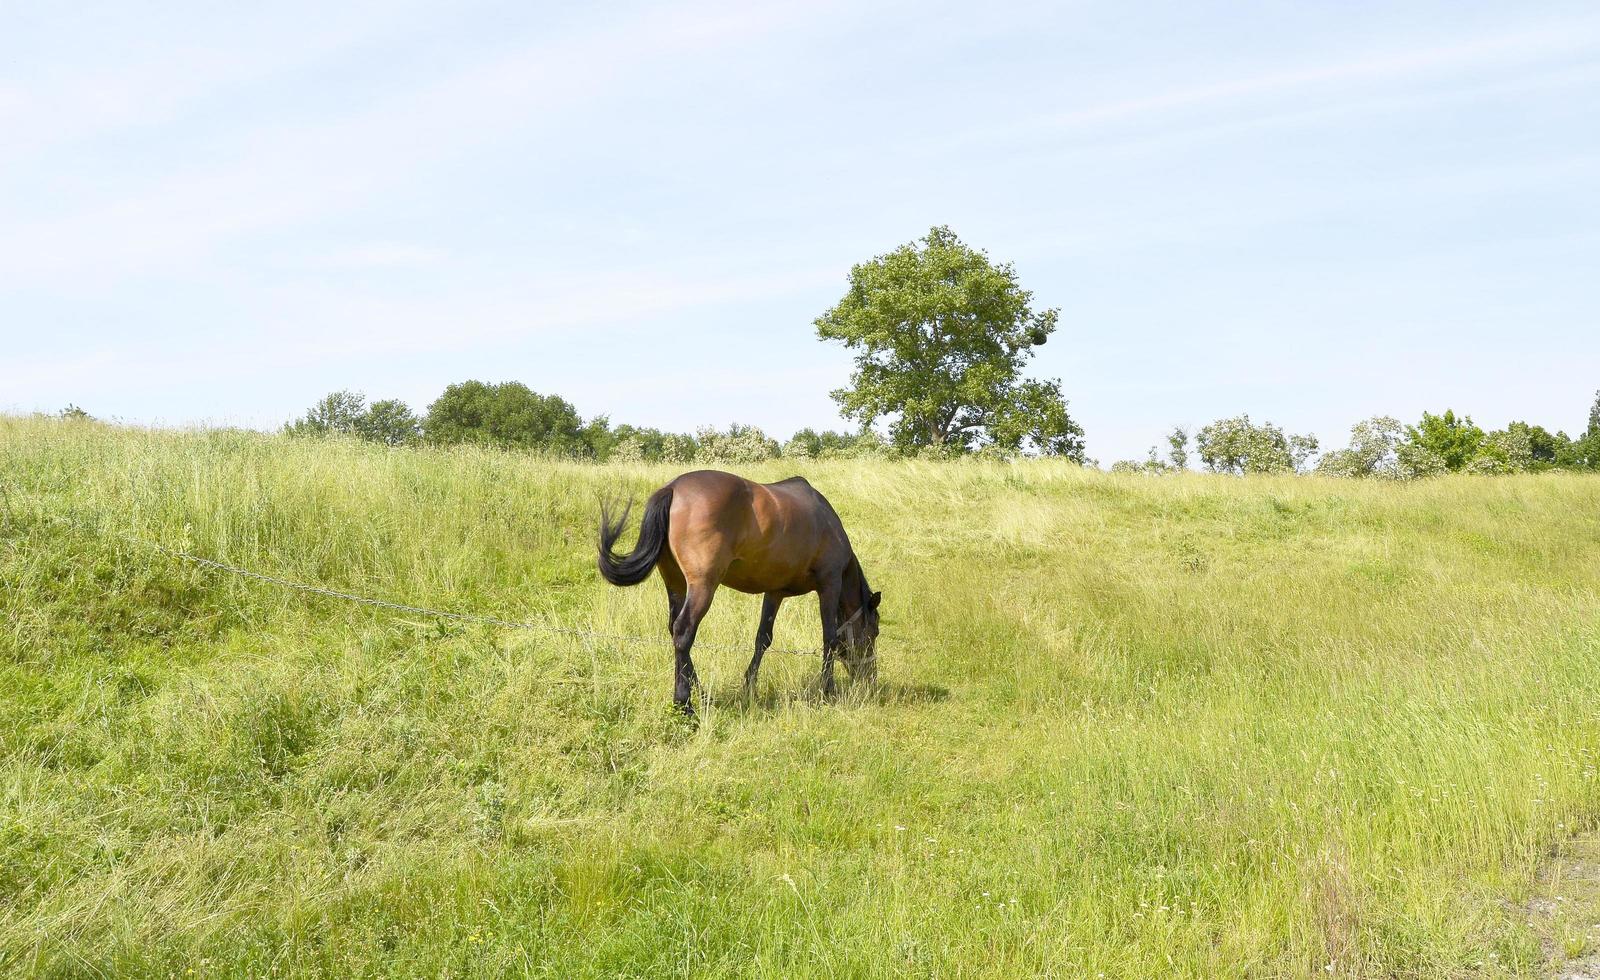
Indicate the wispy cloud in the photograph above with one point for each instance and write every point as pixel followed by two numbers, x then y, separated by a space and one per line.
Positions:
pixel 212 209
pixel 289 329
pixel 383 255
pixel 102 69
pixel 292 174
pixel 1473 54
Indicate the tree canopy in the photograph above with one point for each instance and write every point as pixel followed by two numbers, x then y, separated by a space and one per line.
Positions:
pixel 391 422
pixel 1240 446
pixel 941 335
pixel 347 413
pixel 336 413
pixel 1584 453
pixel 1455 440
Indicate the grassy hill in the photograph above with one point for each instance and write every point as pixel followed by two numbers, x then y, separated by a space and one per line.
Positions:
pixel 1183 726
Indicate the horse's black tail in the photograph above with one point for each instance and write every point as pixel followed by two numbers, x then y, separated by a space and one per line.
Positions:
pixel 631 569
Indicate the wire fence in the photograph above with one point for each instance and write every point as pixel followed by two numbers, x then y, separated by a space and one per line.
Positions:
pixel 401 607
pixel 216 565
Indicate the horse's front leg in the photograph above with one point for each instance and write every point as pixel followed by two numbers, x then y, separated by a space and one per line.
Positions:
pixel 828 600
pixel 769 615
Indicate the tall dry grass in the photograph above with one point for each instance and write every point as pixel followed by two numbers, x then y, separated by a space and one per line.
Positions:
pixel 1185 726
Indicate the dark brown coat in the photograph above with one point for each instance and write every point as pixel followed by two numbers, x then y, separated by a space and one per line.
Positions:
pixel 709 528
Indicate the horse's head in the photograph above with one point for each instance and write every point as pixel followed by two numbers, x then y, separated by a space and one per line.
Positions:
pixel 858 624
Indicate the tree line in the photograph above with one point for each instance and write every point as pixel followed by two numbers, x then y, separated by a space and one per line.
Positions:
pixel 941 336
pixel 940 333
pixel 510 415
pixel 1381 448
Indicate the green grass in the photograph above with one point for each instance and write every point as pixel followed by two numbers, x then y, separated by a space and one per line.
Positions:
pixel 1187 726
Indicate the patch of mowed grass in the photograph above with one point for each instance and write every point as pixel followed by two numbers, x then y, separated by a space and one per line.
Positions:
pixel 1183 726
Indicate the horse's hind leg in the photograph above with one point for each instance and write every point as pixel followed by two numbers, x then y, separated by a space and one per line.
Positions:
pixel 769 615
pixel 677 595
pixel 672 577
pixel 697 600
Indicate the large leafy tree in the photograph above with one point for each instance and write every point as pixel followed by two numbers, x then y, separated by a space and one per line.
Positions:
pixel 509 414
pixel 941 335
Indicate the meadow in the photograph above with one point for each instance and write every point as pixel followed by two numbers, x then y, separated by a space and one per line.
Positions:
pixel 1125 726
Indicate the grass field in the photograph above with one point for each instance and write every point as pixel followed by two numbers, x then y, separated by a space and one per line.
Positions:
pixel 1142 727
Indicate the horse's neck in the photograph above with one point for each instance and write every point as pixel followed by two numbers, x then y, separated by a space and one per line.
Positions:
pixel 855 578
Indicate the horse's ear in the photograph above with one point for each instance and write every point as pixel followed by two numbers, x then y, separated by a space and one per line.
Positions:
pixel 877 597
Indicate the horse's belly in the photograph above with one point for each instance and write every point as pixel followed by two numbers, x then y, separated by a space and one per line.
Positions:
pixel 744 578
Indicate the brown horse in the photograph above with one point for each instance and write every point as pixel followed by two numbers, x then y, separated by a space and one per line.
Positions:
pixel 708 528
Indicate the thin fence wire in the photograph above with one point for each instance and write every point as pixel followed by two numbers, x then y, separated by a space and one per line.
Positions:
pixel 215 565
pixel 222 566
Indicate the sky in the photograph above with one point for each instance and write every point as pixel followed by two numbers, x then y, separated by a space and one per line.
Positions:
pixel 1311 212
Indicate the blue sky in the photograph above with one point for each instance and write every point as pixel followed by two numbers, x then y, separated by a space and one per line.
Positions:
pixel 1310 212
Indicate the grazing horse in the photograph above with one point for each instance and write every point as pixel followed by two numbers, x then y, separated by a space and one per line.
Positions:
pixel 783 539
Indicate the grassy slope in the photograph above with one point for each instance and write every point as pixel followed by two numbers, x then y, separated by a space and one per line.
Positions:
pixel 1141 726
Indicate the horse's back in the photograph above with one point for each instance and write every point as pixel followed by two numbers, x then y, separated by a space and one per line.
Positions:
pixel 774 534
pixel 801 493
pixel 722 490
pixel 709 482
pixel 712 497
